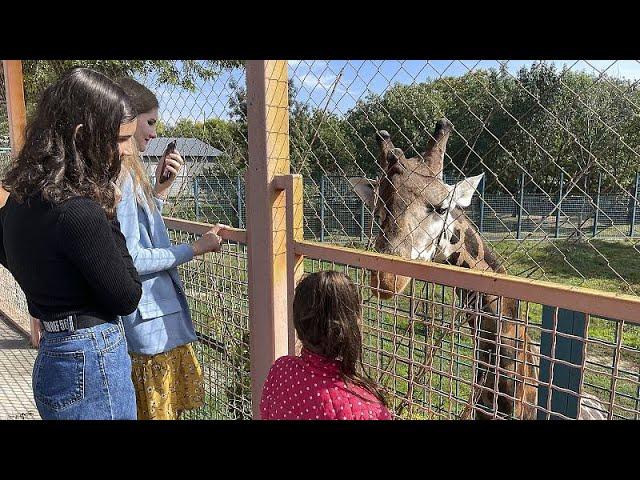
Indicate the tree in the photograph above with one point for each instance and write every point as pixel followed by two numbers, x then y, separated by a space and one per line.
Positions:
pixel 541 120
pixel 38 74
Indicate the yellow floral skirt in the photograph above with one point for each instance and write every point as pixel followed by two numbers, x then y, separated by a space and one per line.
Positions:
pixel 167 383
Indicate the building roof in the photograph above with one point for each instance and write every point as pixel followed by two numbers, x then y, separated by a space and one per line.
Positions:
pixel 188 147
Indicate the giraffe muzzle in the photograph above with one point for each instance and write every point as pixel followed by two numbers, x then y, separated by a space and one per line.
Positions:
pixel 386 285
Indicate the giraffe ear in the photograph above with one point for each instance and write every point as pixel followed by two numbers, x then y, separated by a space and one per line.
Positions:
pixel 463 190
pixel 364 188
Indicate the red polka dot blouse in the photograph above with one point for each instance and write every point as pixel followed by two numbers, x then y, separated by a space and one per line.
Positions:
pixel 309 387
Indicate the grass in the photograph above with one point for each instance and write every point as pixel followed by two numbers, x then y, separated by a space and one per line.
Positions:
pixel 612 266
pixel 601 265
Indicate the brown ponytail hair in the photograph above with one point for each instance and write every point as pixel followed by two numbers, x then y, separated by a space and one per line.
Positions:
pixel 326 315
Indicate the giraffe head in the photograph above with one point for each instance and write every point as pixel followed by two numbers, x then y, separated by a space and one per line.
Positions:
pixel 416 210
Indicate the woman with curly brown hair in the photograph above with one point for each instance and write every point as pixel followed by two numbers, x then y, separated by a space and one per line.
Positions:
pixel 60 238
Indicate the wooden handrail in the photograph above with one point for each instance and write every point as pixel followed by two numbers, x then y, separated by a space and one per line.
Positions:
pixel 198 228
pixel 604 304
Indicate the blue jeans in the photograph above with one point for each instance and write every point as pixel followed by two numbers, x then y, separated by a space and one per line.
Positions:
pixel 84 375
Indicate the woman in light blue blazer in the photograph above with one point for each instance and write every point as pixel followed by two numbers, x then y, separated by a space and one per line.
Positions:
pixel 166 374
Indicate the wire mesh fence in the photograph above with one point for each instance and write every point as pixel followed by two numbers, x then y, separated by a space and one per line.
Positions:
pixel 216 289
pixel 433 350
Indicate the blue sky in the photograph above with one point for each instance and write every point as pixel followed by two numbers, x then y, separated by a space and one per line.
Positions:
pixel 316 78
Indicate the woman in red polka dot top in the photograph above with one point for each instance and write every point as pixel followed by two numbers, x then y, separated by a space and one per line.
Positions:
pixel 324 383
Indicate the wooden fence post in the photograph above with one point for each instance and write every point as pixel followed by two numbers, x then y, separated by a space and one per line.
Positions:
pixel 268 118
pixel 17 116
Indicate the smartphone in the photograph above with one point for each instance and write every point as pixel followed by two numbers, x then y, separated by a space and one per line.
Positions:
pixel 171 148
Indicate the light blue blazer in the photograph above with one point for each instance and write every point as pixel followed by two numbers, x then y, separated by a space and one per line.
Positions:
pixel 162 320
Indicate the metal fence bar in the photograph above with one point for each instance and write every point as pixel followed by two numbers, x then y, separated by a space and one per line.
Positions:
pixel 597 209
pixel 323 202
pixel 239 200
pixel 196 198
pixel 634 205
pixel 520 207
pixel 564 376
pixel 559 205
pixel 483 184
pixel 362 222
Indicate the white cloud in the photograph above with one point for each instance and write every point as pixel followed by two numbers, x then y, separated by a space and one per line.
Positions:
pixel 325 82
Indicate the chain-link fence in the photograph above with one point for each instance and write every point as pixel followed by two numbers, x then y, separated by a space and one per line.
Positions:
pixel 558 146
pixel 334 213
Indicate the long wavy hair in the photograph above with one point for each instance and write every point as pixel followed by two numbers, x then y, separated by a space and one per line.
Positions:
pixel 61 163
pixel 326 315
pixel 143 101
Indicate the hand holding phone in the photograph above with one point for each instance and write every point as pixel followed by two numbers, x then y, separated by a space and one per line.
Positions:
pixel 171 148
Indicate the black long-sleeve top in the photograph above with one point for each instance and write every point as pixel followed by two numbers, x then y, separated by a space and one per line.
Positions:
pixel 68 258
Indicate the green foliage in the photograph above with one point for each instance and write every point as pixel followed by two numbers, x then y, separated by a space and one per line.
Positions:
pixel 541 121
pixel 38 74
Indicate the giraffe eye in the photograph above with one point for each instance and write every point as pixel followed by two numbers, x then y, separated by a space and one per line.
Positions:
pixel 440 210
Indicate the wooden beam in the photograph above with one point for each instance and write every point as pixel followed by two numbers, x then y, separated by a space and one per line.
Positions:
pixel 268 120
pixel 294 187
pixel 604 304
pixel 16 110
pixel 198 228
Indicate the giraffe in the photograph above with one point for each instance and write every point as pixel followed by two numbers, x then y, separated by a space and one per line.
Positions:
pixel 422 218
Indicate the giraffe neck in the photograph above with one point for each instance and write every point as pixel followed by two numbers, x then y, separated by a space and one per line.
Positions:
pixel 466 248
